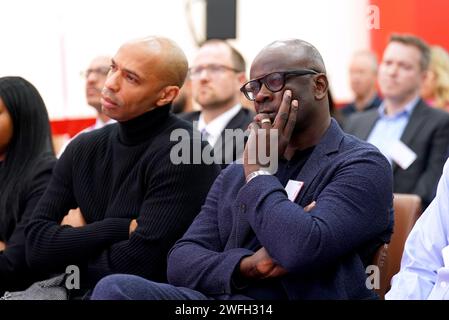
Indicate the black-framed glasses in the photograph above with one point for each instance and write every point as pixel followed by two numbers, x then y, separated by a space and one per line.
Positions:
pixel 212 69
pixel 274 82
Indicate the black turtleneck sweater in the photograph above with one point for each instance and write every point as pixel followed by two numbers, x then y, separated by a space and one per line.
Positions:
pixel 118 173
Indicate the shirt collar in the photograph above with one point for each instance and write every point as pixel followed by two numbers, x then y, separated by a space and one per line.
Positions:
pixel 407 111
pixel 216 126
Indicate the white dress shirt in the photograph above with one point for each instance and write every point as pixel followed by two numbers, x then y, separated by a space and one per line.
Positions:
pixel 424 274
pixel 214 128
pixel 389 129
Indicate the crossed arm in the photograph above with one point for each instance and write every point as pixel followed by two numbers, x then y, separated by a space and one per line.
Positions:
pixel 75 218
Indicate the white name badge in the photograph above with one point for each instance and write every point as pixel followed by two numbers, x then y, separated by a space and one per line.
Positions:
pixel 401 154
pixel 293 187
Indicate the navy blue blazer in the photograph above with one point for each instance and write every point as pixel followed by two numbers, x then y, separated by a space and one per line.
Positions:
pixel 351 182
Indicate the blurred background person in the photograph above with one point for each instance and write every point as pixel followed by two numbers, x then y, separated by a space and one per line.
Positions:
pixel 217 73
pixel 183 103
pixel 435 88
pixel 333 109
pixel 363 79
pixel 413 136
pixel 26 163
pixel 95 78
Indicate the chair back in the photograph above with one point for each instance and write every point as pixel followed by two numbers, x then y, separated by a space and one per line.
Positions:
pixel 407 209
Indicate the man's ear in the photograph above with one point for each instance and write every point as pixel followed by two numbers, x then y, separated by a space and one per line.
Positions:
pixel 241 77
pixel 168 94
pixel 321 87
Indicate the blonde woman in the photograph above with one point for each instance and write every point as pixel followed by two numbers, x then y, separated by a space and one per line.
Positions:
pixel 435 89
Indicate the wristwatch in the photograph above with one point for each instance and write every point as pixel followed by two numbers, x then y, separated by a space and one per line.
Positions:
pixel 259 172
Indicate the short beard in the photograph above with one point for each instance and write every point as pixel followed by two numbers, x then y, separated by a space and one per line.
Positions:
pixel 217 104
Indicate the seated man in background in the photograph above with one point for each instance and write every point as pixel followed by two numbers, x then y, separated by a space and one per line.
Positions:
pixel 304 232
pixel 424 270
pixel 96 75
pixel 134 203
pixel 184 101
pixel 413 136
pixel 363 79
pixel 95 78
pixel 217 74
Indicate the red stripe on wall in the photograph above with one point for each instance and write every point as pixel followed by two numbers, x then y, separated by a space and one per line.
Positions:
pixel 426 19
pixel 70 126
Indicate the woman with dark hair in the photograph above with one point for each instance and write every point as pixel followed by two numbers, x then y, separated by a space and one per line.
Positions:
pixel 26 163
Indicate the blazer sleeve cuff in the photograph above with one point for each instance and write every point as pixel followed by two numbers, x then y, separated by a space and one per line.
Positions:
pixel 253 193
pixel 231 263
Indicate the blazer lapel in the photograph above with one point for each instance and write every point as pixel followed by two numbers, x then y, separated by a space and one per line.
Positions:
pixel 235 141
pixel 368 124
pixel 237 122
pixel 320 157
pixel 417 118
pixel 414 123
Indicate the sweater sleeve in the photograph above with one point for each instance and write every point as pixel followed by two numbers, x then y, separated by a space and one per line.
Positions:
pixel 13 267
pixel 51 246
pixel 173 198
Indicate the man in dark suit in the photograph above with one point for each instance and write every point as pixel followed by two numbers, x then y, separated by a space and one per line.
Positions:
pixel 304 232
pixel 217 74
pixel 413 136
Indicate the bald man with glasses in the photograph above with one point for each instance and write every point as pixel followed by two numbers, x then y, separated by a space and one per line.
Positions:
pixel 217 73
pixel 307 230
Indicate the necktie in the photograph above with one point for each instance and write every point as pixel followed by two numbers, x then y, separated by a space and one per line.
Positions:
pixel 204 134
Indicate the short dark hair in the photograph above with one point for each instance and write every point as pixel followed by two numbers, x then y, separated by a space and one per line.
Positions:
pixel 416 42
pixel 237 59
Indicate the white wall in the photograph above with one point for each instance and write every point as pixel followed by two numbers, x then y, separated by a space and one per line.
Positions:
pixel 335 27
pixel 49 41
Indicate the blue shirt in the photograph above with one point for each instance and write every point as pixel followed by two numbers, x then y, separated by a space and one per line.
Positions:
pixel 423 274
pixel 389 129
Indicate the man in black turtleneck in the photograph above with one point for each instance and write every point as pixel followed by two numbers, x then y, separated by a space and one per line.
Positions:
pixel 131 202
